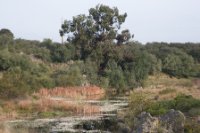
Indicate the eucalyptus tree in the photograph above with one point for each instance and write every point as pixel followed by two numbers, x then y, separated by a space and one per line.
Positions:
pixel 101 25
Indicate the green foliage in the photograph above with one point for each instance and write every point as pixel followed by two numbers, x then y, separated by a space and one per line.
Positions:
pixel 9 60
pixel 71 77
pixel 143 64
pixel 26 46
pixel 115 74
pixel 177 59
pixel 182 102
pixel 130 79
pixel 104 82
pixel 6 37
pixel 94 55
pixel 62 53
pixel 185 103
pixel 159 108
pixel 138 102
pixel 141 67
pixel 46 82
pixel 100 25
pixel 13 84
pixel 5 62
pixel 179 65
pixel 90 70
pixel 117 79
pixel 195 54
pixel 155 65
pixel 6 32
pixel 123 37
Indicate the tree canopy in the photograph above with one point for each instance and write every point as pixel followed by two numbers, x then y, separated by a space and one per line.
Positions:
pixel 6 36
pixel 101 24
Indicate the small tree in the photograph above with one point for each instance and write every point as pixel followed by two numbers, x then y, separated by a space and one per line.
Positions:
pixel 6 37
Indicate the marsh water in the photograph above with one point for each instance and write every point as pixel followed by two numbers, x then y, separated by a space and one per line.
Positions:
pixel 103 121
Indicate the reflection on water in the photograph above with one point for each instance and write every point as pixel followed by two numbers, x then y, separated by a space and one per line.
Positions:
pixel 104 120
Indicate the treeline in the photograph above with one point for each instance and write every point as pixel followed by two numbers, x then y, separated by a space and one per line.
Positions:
pixel 108 65
pixel 90 56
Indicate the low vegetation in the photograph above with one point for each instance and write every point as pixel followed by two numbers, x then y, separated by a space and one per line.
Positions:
pixel 163 94
pixel 56 102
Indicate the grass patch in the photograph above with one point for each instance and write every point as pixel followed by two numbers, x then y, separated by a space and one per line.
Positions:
pixel 167 81
pixel 167 91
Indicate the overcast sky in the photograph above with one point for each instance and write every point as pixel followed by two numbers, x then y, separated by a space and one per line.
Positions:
pixel 149 20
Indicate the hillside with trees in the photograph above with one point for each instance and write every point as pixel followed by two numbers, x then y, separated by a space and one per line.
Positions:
pixel 96 58
pixel 97 52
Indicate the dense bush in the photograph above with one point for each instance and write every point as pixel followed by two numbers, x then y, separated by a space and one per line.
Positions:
pixel 13 84
pixel 182 102
pixel 62 53
pixel 71 76
pixel 138 102
pixel 180 65
pixel 179 60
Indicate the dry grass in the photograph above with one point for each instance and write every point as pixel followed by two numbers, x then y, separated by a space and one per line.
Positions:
pixel 156 85
pixel 86 92
pixel 73 106
pixel 26 108
pixel 45 105
pixel 162 80
pixel 43 101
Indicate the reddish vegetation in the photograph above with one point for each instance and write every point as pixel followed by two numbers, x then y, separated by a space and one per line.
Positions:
pixel 197 82
pixel 73 101
pixel 85 92
pixel 45 104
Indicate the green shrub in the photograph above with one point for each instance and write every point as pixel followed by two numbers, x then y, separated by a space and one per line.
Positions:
pixel 182 102
pixel 62 53
pixel 46 82
pixel 185 103
pixel 103 82
pixel 157 109
pixel 194 112
pixel 138 102
pixel 115 75
pixel 90 70
pixel 161 107
pixel 5 62
pixel 70 77
pixel 13 84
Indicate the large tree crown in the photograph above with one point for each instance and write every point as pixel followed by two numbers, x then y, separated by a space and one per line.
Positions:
pixel 101 24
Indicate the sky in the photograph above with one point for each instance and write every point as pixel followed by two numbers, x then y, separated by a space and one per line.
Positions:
pixel 148 20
